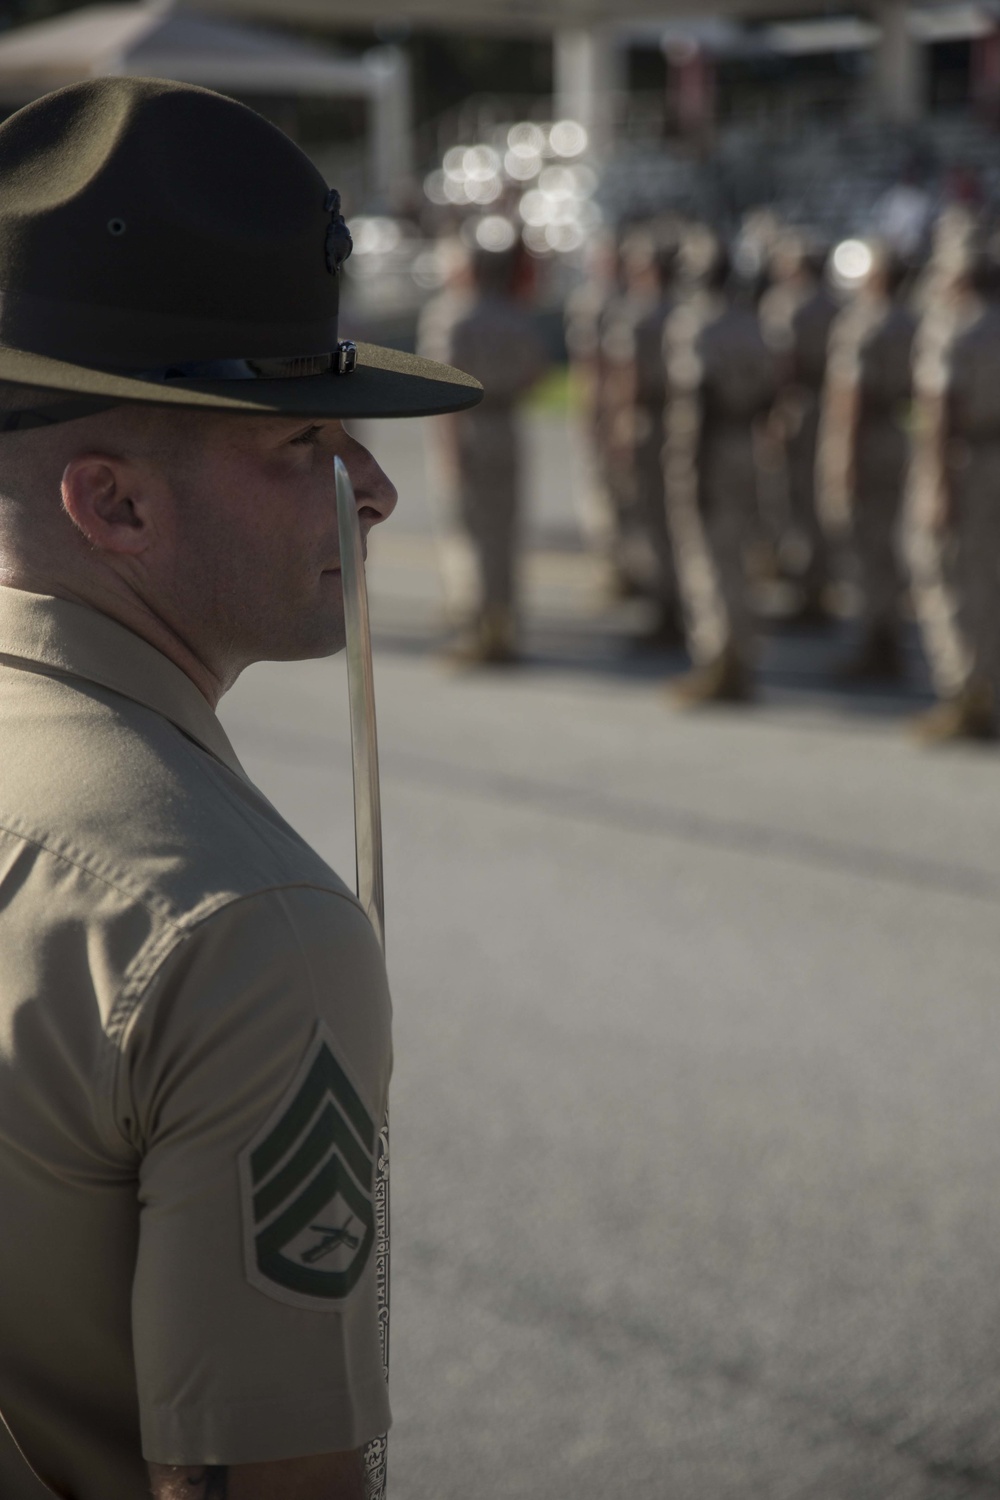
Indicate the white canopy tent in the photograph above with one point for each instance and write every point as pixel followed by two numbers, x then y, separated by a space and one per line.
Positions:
pixel 587 33
pixel 153 40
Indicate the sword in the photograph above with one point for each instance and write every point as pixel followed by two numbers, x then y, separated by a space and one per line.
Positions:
pixel 368 852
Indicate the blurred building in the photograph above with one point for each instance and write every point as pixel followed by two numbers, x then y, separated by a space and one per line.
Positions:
pixel 439 117
pixel 914 52
pixel 632 74
pixel 280 74
pixel 705 113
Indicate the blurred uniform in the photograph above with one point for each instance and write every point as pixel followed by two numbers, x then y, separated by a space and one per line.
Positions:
pixel 497 338
pixel 641 549
pixel 614 333
pixel 636 386
pixel 954 541
pixel 866 408
pixel 650 435
pixel 591 309
pixel 955 241
pixel 722 378
pixel 797 315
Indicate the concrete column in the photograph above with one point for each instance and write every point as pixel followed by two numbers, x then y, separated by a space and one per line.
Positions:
pixel 589 75
pixel 985 79
pixel 691 90
pixel 898 74
pixel 390 123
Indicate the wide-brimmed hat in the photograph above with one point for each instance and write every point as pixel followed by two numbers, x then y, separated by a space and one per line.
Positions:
pixel 161 243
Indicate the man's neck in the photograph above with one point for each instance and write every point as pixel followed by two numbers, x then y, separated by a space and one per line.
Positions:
pixel 121 604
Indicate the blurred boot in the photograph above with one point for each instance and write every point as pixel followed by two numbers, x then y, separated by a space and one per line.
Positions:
pixel 878 659
pixel 970 715
pixel 813 610
pixel 490 643
pixel 665 634
pixel 622 585
pixel 726 680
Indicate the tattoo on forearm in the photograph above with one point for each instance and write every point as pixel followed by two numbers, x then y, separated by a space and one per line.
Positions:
pixel 206 1482
pixel 210 1484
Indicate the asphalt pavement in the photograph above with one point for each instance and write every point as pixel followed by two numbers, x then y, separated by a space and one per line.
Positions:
pixel 696 1109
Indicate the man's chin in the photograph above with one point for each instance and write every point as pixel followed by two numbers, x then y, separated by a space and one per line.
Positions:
pixel 324 636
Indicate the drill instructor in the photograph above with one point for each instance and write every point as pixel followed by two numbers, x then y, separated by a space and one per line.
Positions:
pixel 194 1019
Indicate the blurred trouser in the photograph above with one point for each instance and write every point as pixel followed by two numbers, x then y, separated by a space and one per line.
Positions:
pixel 651 506
pixel 956 578
pixel 800 457
pixel 489 491
pixel 456 563
pixel 880 473
pixel 590 491
pixel 618 489
pixel 712 521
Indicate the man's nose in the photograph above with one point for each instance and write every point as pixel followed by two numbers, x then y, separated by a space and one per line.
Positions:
pixel 374 490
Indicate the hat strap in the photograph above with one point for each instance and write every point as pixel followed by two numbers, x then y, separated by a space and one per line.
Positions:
pixel 342 361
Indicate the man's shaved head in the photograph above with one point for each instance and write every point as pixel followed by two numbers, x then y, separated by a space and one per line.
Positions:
pixel 33 461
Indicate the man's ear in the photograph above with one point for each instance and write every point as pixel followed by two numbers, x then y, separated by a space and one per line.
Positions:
pixel 102 497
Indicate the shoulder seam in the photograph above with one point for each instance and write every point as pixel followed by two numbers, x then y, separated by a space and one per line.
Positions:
pixel 154 953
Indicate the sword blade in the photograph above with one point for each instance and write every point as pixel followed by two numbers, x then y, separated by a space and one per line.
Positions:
pixel 368 854
pixel 361 691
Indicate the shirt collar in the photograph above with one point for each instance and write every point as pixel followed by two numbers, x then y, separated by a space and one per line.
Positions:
pixel 69 638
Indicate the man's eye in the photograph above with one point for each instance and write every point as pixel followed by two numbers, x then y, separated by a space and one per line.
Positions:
pixel 310 436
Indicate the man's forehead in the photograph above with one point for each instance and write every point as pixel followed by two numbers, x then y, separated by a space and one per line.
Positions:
pixel 156 432
pixel 241 431
pixel 173 427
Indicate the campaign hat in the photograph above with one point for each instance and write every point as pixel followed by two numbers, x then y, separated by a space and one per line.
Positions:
pixel 162 243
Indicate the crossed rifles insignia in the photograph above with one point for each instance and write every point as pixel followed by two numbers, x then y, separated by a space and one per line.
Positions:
pixel 307 1187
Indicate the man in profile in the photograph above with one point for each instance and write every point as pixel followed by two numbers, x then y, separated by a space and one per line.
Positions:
pixel 194 1018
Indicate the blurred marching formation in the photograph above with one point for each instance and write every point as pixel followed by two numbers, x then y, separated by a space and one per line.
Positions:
pixel 790 413
pixel 759 410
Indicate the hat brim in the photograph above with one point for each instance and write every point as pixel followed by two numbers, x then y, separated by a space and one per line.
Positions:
pixel 384 383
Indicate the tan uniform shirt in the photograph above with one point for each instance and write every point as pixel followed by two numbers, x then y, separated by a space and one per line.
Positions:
pixel 796 321
pixel 194 1058
pixel 871 346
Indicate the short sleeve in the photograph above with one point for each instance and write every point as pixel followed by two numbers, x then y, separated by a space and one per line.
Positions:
pixel 582 323
pixel 844 363
pixel 254 1087
pixel 777 321
pixel 435 325
pixel 501 347
pixel 934 368
pixel 618 338
pixel 682 353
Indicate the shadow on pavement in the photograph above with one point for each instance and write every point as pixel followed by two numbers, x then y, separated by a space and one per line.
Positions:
pixel 797 665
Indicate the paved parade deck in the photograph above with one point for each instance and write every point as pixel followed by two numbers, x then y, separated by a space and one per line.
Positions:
pixel 696 1113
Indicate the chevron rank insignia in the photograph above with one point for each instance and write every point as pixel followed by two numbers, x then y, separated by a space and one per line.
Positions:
pixel 306 1182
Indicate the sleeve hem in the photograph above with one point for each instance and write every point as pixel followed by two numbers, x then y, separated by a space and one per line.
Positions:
pixel 265 1431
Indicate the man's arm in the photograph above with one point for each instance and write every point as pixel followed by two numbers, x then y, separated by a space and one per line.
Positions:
pixel 263 1046
pixel 836 451
pixel 936 447
pixel 326 1476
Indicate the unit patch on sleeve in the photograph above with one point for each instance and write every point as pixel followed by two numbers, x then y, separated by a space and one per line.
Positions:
pixel 306 1183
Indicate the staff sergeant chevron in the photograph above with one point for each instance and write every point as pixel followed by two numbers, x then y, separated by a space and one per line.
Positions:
pixel 306 1182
